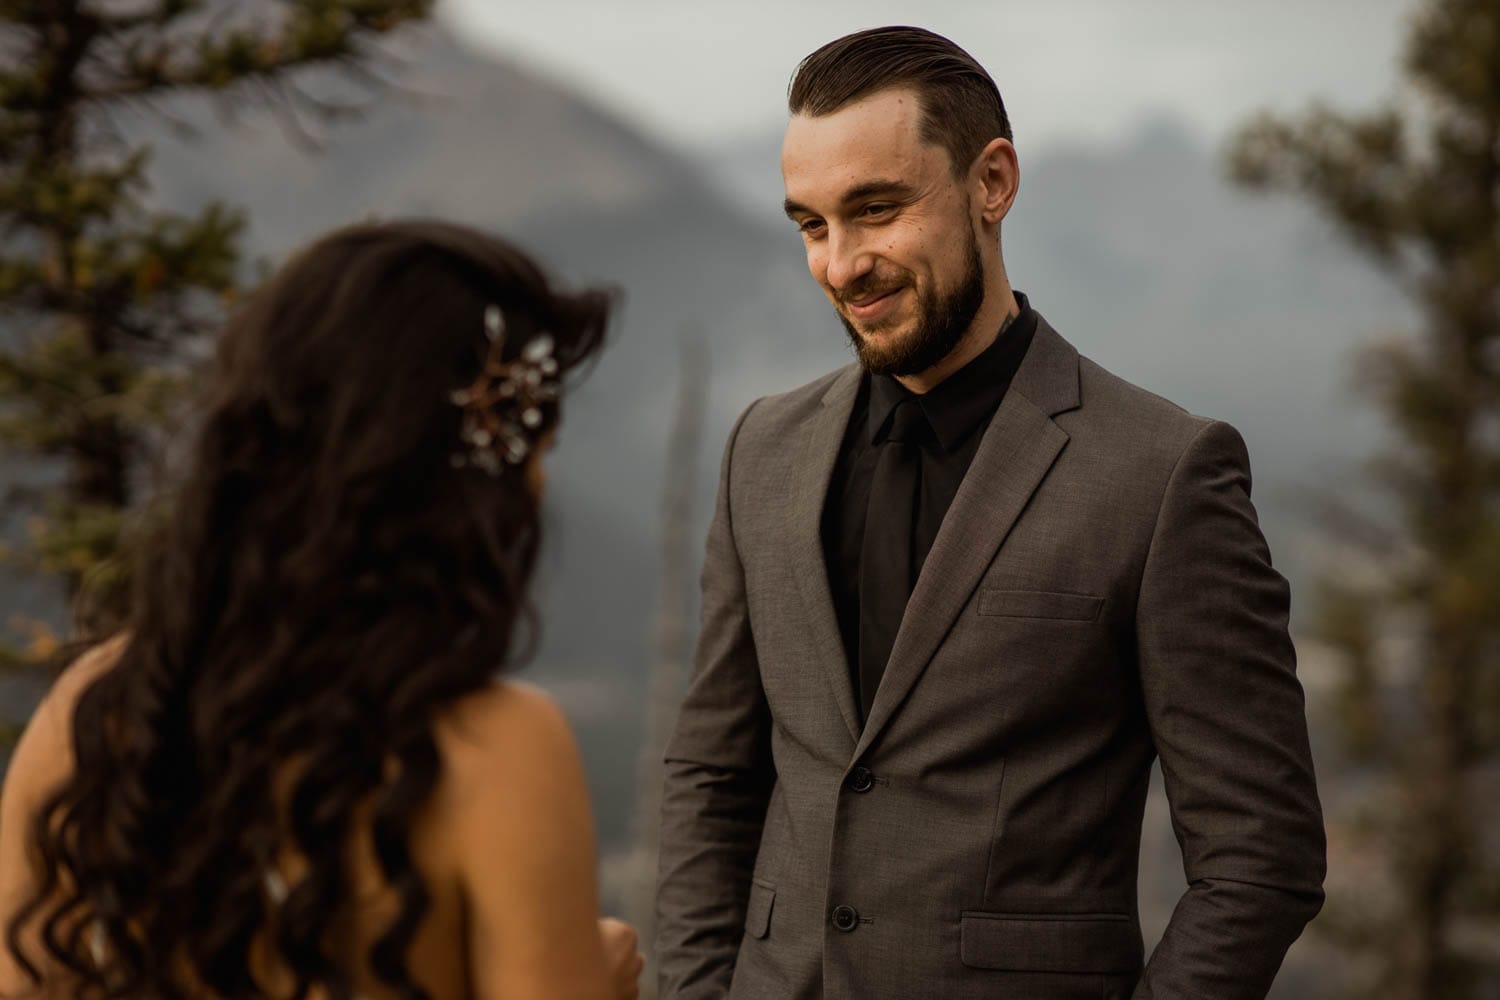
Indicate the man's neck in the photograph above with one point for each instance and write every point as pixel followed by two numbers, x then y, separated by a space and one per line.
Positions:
pixel 999 310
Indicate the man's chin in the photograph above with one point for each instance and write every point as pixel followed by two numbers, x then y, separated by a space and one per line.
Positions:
pixel 887 339
pixel 882 357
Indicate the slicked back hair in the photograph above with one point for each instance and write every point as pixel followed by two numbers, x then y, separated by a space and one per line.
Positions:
pixel 960 104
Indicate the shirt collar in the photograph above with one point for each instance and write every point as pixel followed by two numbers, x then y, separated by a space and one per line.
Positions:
pixel 958 404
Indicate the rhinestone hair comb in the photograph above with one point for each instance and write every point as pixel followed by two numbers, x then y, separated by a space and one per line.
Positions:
pixel 502 408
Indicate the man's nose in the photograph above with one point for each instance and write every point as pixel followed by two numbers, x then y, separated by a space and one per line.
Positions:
pixel 848 260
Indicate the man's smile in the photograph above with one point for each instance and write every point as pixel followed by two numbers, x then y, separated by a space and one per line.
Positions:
pixel 872 307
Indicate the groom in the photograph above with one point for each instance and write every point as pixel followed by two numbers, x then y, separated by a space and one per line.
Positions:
pixel 957 598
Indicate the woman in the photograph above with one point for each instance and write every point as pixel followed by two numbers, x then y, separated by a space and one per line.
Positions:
pixel 295 774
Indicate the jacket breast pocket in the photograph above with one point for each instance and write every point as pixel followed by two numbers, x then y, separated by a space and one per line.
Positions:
pixel 1086 942
pixel 1040 604
pixel 758 912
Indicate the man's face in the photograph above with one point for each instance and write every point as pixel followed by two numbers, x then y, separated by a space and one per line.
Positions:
pixel 888 230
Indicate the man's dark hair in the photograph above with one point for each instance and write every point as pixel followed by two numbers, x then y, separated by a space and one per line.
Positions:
pixel 961 106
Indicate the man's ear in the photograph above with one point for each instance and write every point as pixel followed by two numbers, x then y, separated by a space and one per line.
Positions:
pixel 997 175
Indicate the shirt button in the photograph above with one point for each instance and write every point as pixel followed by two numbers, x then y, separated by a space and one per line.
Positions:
pixel 845 918
pixel 861 780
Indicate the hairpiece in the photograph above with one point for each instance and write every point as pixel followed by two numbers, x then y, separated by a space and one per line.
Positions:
pixel 502 408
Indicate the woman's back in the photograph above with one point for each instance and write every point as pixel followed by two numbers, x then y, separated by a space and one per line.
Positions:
pixel 307 694
pixel 504 846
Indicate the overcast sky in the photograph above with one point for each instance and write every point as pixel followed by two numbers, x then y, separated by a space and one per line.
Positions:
pixel 701 73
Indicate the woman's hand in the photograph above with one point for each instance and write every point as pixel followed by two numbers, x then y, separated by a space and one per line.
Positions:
pixel 623 957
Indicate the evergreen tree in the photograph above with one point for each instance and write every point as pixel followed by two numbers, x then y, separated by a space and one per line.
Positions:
pixel 103 297
pixel 1416 186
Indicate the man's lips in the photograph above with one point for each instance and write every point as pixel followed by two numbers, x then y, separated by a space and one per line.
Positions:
pixel 873 306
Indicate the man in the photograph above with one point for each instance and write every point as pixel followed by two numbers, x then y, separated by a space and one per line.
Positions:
pixel 957 598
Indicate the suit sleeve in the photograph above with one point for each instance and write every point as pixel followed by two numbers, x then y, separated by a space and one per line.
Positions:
pixel 1226 711
pixel 718 780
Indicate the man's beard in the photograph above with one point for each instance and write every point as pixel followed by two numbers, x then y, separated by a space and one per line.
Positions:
pixel 942 321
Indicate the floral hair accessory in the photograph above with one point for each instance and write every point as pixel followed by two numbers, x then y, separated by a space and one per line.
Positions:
pixel 502 408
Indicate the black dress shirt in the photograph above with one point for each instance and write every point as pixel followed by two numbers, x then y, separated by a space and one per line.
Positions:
pixel 958 409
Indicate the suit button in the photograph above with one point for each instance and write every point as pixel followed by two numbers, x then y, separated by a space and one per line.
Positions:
pixel 861 780
pixel 845 918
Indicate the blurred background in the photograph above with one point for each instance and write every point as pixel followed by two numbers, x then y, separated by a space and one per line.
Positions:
pixel 1324 279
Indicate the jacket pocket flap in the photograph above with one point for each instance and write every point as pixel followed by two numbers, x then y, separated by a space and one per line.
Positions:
pixel 1039 604
pixel 758 912
pixel 1102 942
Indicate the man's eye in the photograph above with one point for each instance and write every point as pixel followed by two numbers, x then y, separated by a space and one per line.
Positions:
pixel 877 208
pixel 811 226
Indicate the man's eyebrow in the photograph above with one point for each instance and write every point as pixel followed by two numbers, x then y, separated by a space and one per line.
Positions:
pixel 869 189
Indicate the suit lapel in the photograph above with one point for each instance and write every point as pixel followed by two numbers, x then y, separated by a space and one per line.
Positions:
pixel 811 472
pixel 1014 456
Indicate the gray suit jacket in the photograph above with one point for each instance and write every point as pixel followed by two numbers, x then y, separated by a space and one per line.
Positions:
pixel 1099 594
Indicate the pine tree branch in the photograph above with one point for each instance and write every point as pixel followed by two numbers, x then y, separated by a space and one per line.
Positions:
pixel 1356 168
pixel 227 59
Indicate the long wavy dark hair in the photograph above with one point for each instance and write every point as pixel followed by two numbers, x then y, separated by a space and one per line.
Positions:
pixel 327 582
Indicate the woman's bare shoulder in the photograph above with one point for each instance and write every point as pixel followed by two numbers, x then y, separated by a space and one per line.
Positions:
pixel 510 768
pixel 78 675
pixel 41 762
pixel 507 727
pixel 45 752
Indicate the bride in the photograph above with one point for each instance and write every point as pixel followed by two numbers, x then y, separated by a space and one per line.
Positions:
pixel 295 773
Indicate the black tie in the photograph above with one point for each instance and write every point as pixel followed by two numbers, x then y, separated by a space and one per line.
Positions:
pixel 885 559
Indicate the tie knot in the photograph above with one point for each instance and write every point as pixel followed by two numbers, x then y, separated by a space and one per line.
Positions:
pixel 908 423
